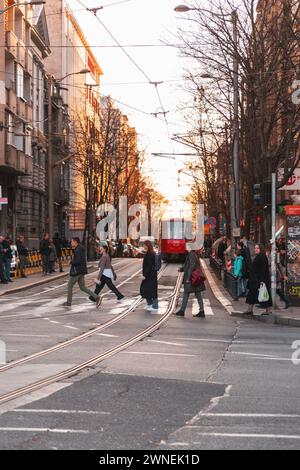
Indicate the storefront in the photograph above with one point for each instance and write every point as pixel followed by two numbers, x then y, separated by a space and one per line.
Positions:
pixel 293 253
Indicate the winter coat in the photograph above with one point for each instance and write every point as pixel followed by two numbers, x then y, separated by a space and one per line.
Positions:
pixel 221 251
pixel 53 254
pixel 105 263
pixel 78 263
pixel 149 286
pixel 192 263
pixel 8 255
pixel 58 246
pixel 22 251
pixel 45 247
pixel 259 272
pixel 238 266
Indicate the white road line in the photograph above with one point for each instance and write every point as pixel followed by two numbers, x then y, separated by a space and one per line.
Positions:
pixel 249 415
pixel 164 342
pixel 25 336
pixel 56 431
pixel 70 327
pixel 241 435
pixel 202 340
pixel 261 356
pixel 157 354
pixel 80 412
pixel 216 291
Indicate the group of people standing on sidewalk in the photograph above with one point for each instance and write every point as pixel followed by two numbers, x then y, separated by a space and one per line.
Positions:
pixel 254 275
pixel 51 251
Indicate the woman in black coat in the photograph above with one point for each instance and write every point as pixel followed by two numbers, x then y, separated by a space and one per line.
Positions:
pixel 192 263
pixel 259 272
pixel 149 286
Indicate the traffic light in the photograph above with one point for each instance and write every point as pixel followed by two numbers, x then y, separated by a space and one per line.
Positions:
pixel 262 194
pixel 257 194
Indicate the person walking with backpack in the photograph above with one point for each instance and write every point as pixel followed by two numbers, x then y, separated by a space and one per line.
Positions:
pixel 194 283
pixel 149 286
pixel 106 275
pixel 77 272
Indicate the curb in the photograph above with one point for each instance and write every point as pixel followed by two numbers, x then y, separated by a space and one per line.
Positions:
pixel 38 283
pixel 270 319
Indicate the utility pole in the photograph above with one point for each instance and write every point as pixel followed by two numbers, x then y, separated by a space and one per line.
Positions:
pixel 236 192
pixel 50 162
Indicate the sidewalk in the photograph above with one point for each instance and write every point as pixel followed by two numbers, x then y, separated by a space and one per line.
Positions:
pixel 35 280
pixel 289 317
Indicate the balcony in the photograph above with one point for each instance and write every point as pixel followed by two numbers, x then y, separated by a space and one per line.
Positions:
pixel 11 100
pixel 14 161
pixel 29 114
pixel 11 43
pixel 21 53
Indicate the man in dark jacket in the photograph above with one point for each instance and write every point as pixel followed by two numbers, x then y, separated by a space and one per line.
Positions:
pixel 58 246
pixel 2 261
pixel 192 263
pixel 23 255
pixel 7 258
pixel 45 252
pixel 77 272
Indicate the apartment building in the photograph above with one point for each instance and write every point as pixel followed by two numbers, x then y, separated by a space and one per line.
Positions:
pixel 75 67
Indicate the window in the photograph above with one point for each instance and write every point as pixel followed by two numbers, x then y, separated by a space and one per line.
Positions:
pixel 20 81
pixel 10 130
pixel 28 142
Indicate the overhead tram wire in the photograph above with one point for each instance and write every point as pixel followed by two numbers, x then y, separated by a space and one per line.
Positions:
pixel 155 84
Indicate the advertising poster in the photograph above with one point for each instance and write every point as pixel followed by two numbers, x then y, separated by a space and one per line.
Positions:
pixel 293 258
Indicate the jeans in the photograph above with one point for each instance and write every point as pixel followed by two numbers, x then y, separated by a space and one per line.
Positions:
pixel 51 266
pixel 80 280
pixel 23 262
pixel 186 299
pixel 241 289
pixel 106 281
pixel 7 264
pixel 2 271
pixel 45 263
pixel 153 303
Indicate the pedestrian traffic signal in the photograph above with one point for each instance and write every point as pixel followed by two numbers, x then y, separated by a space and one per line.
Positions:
pixel 262 193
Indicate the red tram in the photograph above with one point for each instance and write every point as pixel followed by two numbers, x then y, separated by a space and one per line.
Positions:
pixel 174 234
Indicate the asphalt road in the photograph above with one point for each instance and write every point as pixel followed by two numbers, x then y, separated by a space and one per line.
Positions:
pixel 218 383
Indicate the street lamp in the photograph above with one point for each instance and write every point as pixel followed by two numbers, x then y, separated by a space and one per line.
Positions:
pixel 32 3
pixel 50 150
pixel 235 196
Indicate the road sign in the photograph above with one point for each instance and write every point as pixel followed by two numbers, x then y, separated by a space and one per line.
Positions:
pixel 3 200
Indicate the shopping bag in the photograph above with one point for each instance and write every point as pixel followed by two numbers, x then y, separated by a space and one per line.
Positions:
pixel 263 295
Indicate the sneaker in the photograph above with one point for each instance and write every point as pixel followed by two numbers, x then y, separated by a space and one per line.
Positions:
pixel 121 298
pixel 66 304
pixel 149 308
pixel 180 313
pixel 99 301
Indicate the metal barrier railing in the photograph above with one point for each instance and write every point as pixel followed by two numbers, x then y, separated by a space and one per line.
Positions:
pixel 216 266
pixel 34 262
pixel 231 284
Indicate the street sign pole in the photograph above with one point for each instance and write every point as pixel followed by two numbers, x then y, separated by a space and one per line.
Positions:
pixel 273 255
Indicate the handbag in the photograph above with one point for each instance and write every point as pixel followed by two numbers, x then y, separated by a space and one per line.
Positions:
pixel 263 295
pixel 197 277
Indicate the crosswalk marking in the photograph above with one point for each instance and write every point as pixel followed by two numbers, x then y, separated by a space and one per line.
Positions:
pixel 207 308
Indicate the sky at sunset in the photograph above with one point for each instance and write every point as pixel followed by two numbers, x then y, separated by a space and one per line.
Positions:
pixel 143 22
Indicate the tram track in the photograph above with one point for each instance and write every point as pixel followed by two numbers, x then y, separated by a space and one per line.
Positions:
pixel 67 373
pixel 82 336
